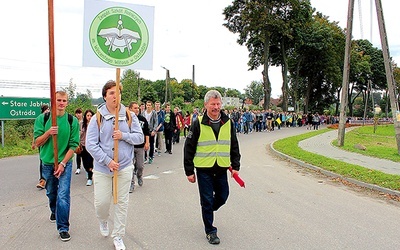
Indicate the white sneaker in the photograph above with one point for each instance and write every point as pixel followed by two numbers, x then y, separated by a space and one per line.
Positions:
pixel 104 230
pixel 118 243
pixel 89 182
pixel 78 170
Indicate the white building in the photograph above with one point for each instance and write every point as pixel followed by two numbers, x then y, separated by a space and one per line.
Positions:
pixel 231 101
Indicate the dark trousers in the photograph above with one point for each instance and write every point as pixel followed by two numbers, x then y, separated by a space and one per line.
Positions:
pixel 151 149
pixel 41 171
pixel 176 136
pixel 78 160
pixel 168 140
pixel 246 127
pixel 214 191
pixel 87 161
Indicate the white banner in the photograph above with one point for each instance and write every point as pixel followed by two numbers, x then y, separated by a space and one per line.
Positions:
pixel 118 35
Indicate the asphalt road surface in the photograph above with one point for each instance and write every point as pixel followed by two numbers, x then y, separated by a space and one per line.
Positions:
pixel 282 207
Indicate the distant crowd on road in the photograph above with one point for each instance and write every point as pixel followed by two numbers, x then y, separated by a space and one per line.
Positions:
pixel 246 121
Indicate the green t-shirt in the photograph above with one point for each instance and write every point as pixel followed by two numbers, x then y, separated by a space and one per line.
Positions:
pixel 67 137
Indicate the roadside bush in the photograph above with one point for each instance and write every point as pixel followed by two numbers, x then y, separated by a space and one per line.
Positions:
pixel 18 132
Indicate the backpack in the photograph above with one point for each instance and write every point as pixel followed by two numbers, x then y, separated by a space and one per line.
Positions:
pixel 78 150
pixel 128 118
pixel 47 116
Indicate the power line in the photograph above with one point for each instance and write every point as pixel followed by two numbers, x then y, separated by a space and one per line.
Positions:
pixel 19 84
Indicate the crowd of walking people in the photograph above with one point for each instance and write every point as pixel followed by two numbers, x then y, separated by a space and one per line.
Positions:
pixel 145 131
pixel 248 121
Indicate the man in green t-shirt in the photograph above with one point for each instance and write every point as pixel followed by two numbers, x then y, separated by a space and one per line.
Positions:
pixel 58 179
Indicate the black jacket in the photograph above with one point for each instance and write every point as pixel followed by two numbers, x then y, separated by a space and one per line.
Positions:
pixel 145 128
pixel 171 124
pixel 191 146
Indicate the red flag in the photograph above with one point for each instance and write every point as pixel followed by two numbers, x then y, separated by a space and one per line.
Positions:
pixel 237 178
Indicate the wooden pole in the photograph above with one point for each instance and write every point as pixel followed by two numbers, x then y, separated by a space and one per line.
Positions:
pixel 52 79
pixel 116 127
pixel 346 75
pixel 389 72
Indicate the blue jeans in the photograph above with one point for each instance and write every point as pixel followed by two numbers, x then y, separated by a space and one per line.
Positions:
pixel 214 191
pixel 58 192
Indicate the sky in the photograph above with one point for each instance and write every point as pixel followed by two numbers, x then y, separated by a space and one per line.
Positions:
pixel 186 33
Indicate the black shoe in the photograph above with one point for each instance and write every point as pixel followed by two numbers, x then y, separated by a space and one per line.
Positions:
pixel 213 238
pixel 52 218
pixel 169 152
pixel 65 236
pixel 140 181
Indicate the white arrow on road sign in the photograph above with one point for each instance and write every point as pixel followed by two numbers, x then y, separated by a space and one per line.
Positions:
pixel 4 103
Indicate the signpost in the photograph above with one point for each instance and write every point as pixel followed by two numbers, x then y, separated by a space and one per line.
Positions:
pixel 17 108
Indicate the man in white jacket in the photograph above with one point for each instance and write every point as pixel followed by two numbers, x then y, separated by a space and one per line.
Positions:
pixel 100 144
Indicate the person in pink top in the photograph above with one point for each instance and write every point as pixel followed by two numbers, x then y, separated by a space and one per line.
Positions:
pixel 186 123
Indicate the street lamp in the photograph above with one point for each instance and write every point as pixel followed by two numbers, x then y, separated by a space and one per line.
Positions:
pixel 138 86
pixel 166 83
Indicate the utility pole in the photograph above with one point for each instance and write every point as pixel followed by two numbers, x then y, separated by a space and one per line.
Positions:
pixel 193 84
pixel 138 87
pixel 166 83
pixel 389 72
pixel 346 75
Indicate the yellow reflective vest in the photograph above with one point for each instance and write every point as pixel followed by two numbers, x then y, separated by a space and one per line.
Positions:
pixel 209 149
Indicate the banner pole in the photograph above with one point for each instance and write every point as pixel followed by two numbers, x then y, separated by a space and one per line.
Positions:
pixel 116 127
pixel 52 79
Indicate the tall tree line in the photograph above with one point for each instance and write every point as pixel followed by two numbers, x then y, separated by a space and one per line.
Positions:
pixel 310 50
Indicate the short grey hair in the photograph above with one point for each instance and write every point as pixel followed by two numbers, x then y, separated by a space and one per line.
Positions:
pixel 212 94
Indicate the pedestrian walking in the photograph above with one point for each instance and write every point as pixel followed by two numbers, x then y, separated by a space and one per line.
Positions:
pixel 79 116
pixel 186 122
pixel 100 139
pixel 58 180
pixel 211 147
pixel 159 143
pixel 42 181
pixel 139 150
pixel 87 159
pixel 169 127
pixel 151 116
pixel 179 125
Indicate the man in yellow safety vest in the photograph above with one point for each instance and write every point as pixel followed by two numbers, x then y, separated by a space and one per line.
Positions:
pixel 211 146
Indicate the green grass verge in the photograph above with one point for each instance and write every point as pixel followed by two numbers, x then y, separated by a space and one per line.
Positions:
pixel 289 146
pixel 381 144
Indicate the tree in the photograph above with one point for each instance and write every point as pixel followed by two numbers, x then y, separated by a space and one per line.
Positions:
pixel 77 100
pixel 254 21
pixel 232 93
pixel 360 74
pixel 316 63
pixel 177 102
pixel 188 89
pixel 70 90
pixel 129 82
pixel 293 15
pixel 202 91
pixel 254 92
pixel 176 90
pixel 396 75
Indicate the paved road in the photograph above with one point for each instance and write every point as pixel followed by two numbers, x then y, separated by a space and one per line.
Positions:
pixel 282 207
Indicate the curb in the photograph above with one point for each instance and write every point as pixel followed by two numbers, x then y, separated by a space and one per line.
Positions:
pixel 331 174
